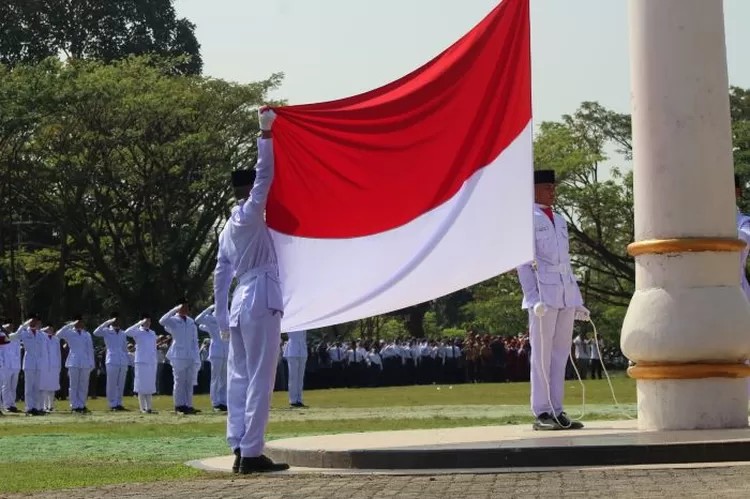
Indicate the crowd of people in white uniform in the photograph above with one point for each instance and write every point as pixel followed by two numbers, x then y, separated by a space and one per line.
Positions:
pixel 71 364
pixel 46 351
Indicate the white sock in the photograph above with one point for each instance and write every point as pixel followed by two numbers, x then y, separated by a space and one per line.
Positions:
pixel 142 402
pixel 148 401
pixel 47 398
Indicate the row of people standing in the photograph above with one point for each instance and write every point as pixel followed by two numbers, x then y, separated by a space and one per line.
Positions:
pixel 43 356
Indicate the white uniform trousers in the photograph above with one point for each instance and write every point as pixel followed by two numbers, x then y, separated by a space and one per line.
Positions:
pixel 218 382
pixel 116 374
pixel 8 387
pixel 551 338
pixel 296 367
pixel 253 355
pixel 183 371
pixel 79 386
pixel 32 395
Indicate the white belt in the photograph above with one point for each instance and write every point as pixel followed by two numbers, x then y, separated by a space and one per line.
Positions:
pixel 257 271
pixel 562 268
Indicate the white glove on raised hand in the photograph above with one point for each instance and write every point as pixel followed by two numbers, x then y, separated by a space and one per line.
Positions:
pixel 142 322
pixel 110 322
pixel 540 309
pixel 224 335
pixel 27 323
pixel 582 314
pixel 266 117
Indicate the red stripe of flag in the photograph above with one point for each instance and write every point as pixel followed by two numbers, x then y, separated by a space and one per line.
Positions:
pixel 376 161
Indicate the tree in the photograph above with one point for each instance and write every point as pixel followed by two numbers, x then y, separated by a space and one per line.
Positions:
pixel 599 213
pixel 32 30
pixel 496 306
pixel 130 165
pixel 739 102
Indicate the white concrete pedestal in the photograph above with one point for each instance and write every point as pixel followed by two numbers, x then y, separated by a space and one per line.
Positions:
pixel 692 404
pixel 688 317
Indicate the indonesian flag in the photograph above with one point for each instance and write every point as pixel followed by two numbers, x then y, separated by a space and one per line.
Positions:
pixel 411 191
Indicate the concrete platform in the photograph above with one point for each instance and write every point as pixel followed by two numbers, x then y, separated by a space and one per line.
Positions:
pixel 506 448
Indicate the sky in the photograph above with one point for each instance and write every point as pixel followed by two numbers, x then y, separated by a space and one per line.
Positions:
pixel 330 49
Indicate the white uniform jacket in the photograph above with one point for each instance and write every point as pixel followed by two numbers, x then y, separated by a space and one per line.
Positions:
pixel 549 278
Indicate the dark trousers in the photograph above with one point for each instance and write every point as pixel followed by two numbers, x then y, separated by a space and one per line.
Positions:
pixel 595 368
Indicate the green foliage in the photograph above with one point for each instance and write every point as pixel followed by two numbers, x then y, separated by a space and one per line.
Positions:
pixel 496 307
pixel 32 30
pixel 126 165
pixel 739 102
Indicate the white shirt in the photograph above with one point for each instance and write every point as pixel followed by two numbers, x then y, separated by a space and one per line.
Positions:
pixel 549 279
pixel 743 233
pixel 595 352
pixel 581 348
pixel 218 349
pixel 373 358
pixel 184 334
pixel 336 353
pixel 80 347
pixel 116 343
pixel 54 355
pixel 10 354
pixel 246 249
pixel 145 344
pixel 35 352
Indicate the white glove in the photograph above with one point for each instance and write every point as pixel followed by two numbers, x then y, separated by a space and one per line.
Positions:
pixel 142 322
pixel 582 314
pixel 540 309
pixel 266 117
pixel 110 322
pixel 27 323
pixel 72 323
pixel 224 335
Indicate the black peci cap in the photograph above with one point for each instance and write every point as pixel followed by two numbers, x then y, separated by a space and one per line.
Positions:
pixel 544 177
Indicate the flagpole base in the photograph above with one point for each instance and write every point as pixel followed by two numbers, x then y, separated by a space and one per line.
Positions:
pixel 692 404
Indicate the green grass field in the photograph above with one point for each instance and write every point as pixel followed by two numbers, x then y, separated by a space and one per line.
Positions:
pixel 63 450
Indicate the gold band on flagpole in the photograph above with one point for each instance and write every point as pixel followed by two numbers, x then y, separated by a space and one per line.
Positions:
pixel 697 370
pixel 685 245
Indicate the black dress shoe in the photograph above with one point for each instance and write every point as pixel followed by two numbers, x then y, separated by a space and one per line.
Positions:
pixel 567 423
pixel 546 422
pixel 237 459
pixel 13 409
pixel 260 464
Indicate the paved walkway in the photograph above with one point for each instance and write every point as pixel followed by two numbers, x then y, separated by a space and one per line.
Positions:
pixel 609 483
